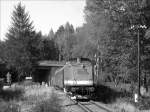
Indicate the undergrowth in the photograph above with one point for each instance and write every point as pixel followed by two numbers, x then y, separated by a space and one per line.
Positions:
pixel 29 98
pixel 12 94
pixel 8 106
pixel 50 105
pixel 110 95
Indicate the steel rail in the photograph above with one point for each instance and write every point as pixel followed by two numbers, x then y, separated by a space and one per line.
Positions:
pixel 87 109
pixel 84 108
pixel 102 106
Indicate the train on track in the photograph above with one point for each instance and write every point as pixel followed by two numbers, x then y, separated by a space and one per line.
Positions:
pixel 76 77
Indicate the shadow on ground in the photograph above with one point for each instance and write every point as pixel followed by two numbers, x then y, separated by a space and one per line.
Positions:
pixel 106 94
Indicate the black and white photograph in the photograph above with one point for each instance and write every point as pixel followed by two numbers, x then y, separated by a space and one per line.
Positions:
pixel 74 55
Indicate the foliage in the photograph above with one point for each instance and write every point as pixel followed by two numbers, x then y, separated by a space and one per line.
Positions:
pixel 20 46
pixel 8 106
pixel 144 103
pixel 51 35
pixel 39 98
pixel 34 98
pixel 50 105
pixel 107 34
pixel 84 46
pixel 11 94
pixel 24 47
pixel 48 49
pixel 103 93
pixel 116 43
pixel 65 40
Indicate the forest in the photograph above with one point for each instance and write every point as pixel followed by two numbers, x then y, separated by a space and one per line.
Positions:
pixel 109 35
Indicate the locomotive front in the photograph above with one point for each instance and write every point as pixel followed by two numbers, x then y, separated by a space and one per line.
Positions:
pixel 78 79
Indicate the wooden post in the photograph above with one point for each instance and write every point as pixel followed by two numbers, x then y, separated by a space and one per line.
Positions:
pixel 139 72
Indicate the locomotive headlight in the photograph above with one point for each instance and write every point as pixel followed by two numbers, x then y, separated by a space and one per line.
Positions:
pixel 91 89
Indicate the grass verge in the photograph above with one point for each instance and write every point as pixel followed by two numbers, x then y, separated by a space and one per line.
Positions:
pixel 49 105
pixel 29 99
pixel 121 98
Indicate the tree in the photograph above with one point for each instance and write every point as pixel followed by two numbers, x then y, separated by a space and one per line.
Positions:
pixel 51 34
pixel 59 40
pixel 69 41
pixel 65 40
pixel 83 46
pixel 48 49
pixel 21 43
pixel 117 44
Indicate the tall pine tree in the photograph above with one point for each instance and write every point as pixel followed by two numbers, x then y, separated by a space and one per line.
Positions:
pixel 21 44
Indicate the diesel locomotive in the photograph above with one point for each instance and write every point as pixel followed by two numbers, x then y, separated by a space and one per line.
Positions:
pixel 76 78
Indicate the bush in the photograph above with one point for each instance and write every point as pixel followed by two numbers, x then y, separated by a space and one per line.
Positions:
pixel 144 103
pixel 8 106
pixel 12 94
pixel 108 94
pixel 29 83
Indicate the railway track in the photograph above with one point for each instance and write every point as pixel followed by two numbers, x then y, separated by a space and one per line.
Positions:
pixel 91 106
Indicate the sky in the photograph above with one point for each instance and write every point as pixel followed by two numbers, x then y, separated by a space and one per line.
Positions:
pixel 45 14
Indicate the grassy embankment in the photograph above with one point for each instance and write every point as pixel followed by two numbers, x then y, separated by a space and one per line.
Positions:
pixel 33 98
pixel 121 98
